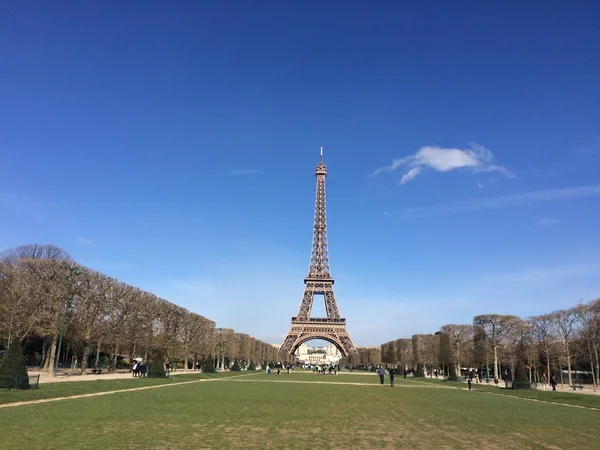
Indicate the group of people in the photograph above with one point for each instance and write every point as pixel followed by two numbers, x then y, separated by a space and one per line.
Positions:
pixel 332 370
pixel 392 373
pixel 139 369
pixel 279 367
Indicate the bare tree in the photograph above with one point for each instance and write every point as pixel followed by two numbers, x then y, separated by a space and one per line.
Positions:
pixel 564 322
pixel 35 251
pixel 458 336
pixel 587 318
pixel 20 311
pixel 403 352
pixel 496 327
pixel 543 333
pixel 35 282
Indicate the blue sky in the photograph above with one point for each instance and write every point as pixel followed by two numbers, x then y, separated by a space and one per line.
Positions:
pixel 172 145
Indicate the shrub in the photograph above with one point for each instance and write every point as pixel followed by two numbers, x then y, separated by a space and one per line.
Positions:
pixel 13 373
pixel 452 375
pixel 521 381
pixel 419 373
pixel 235 367
pixel 251 366
pixel 209 365
pixel 157 366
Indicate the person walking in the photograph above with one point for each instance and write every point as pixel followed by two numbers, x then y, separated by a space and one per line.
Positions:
pixel 381 374
pixel 392 372
pixel 553 382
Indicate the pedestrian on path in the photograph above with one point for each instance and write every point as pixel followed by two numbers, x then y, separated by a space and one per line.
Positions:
pixel 381 374
pixel 392 372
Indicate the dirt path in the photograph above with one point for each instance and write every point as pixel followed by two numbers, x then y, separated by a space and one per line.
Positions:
pixel 96 394
pixel 45 377
pixel 343 383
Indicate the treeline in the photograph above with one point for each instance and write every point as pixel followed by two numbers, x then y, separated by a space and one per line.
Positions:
pixel 561 342
pixel 365 357
pixel 41 287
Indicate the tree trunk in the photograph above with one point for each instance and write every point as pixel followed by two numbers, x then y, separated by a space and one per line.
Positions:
pixel 84 359
pixel 597 364
pixel 562 382
pixel 97 355
pixel 51 357
pixel 44 353
pixel 115 359
pixel 67 354
pixel 548 365
pixel 185 358
pixel 496 365
pixel 594 375
pixel 569 365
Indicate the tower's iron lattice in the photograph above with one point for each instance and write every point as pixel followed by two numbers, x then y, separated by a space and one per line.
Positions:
pixel 319 281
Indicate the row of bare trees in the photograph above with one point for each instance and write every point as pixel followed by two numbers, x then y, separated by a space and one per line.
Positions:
pixel 43 290
pixel 364 357
pixel 564 341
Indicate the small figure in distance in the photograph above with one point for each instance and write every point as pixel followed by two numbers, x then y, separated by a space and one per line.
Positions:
pixel 392 372
pixel 553 382
pixel 381 374
pixel 470 380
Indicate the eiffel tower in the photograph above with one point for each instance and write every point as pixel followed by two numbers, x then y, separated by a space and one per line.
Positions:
pixel 319 281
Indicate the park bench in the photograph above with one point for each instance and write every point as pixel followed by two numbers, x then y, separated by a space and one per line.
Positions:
pixel 577 386
pixel 98 366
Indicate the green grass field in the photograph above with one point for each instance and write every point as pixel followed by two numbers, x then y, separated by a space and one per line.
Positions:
pixel 301 411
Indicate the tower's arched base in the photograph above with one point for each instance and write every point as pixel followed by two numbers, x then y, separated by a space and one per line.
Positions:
pixel 330 330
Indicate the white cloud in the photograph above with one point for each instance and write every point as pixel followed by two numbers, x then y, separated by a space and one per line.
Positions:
pixel 410 175
pixel 244 172
pixel 548 221
pixel 476 158
pixel 479 185
pixel 83 240
pixel 480 204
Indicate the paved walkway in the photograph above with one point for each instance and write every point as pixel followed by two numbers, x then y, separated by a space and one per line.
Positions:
pixel 76 375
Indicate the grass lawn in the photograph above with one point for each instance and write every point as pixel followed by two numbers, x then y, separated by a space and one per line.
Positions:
pixel 301 411
pixel 69 388
pixel 590 401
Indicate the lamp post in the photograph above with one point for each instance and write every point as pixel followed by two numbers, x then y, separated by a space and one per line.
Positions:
pixel 72 269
